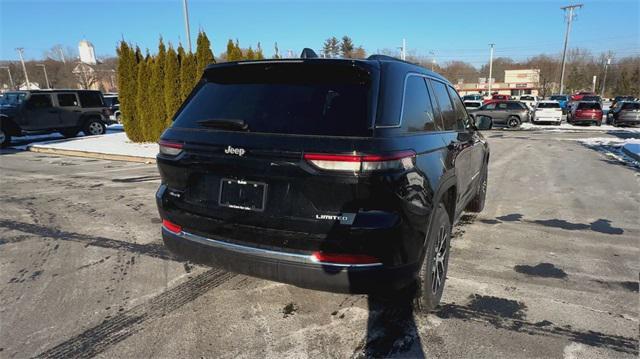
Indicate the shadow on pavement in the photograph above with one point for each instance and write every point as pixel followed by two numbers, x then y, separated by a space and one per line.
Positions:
pixel 510 315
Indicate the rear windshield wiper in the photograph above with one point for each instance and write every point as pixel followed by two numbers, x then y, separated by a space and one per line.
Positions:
pixel 225 123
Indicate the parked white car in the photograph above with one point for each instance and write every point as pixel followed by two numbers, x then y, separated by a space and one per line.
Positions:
pixel 547 111
pixel 529 100
pixel 472 104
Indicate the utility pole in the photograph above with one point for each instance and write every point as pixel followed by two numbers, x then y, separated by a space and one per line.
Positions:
pixel 604 78
pixel 186 23
pixel 593 84
pixel 13 87
pixel 433 59
pixel 46 78
pixel 570 15
pixel 404 49
pixel 490 67
pixel 24 68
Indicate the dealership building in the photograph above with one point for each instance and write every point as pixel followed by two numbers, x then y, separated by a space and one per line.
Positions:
pixel 516 83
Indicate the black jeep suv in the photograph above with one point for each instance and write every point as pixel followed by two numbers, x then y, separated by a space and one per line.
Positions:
pixel 46 111
pixel 333 174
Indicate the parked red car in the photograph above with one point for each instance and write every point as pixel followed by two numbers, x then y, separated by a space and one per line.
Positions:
pixel 496 98
pixel 585 113
pixel 578 96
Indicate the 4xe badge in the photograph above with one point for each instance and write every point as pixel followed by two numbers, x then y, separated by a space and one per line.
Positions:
pixel 234 151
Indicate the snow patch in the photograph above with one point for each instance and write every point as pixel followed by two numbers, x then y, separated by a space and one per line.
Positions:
pixel 565 127
pixel 111 144
pixel 612 147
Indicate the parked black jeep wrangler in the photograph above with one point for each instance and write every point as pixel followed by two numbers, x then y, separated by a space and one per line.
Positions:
pixel 46 111
pixel 333 174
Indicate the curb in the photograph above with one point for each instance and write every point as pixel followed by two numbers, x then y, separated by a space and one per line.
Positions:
pixel 630 153
pixel 87 154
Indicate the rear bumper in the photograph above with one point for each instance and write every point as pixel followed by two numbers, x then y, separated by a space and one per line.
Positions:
pixel 292 268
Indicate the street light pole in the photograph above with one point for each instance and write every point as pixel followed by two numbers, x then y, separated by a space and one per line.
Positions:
pixel 570 17
pixel 490 67
pixel 186 23
pixel 46 78
pixel 24 68
pixel 604 78
pixel 10 78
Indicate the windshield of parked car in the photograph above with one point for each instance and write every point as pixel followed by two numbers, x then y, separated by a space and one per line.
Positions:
pixel 548 105
pixel 472 104
pixel 303 99
pixel 591 98
pixel 631 106
pixel 527 98
pixel 588 106
pixel 559 98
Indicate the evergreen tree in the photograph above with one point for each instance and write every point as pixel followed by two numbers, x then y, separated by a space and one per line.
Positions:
pixel 259 55
pixel 331 47
pixel 204 55
pixel 142 101
pixel 187 64
pixel 231 51
pixel 250 54
pixel 157 108
pixel 127 69
pixel 346 47
pixel 276 54
pixel 171 85
pixel 237 51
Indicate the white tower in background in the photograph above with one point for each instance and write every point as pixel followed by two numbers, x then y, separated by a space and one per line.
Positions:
pixel 87 52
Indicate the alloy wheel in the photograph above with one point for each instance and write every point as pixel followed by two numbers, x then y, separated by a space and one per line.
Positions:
pixel 438 269
pixel 95 128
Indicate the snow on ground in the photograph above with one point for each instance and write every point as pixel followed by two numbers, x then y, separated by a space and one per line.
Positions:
pixel 571 128
pixel 116 143
pixel 23 142
pixel 613 147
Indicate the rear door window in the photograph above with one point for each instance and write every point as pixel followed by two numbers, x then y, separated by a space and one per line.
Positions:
pixel 514 106
pixel 502 106
pixel 446 106
pixel 67 100
pixel 417 112
pixel 303 99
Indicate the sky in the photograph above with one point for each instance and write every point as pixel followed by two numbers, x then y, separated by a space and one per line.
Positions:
pixel 450 30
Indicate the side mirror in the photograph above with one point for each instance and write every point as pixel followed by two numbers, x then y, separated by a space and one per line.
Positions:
pixel 483 122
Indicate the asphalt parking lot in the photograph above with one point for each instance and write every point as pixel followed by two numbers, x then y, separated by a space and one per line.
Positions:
pixel 549 269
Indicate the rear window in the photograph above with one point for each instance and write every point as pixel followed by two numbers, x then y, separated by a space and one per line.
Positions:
pixel 548 105
pixel 588 106
pixel 631 106
pixel 591 98
pixel 302 99
pixel 90 99
pixel 527 98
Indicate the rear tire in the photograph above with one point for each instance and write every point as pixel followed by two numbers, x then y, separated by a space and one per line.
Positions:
pixel 94 127
pixel 5 139
pixel 477 203
pixel 513 122
pixel 433 272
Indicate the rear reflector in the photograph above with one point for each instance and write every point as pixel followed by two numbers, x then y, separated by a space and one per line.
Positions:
pixel 171 227
pixel 170 148
pixel 335 258
pixel 361 163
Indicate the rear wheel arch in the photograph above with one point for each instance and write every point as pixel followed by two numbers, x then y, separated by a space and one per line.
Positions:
pixel 9 126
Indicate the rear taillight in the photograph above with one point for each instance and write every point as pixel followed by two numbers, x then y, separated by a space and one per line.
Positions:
pixel 337 258
pixel 362 163
pixel 170 148
pixel 171 227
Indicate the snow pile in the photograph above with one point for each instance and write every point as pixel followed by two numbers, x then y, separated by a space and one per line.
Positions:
pixel 111 144
pixel 565 127
pixel 622 149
